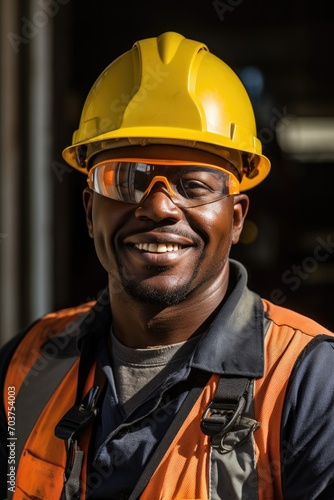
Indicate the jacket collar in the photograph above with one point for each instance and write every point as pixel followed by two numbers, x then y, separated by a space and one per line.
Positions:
pixel 233 344
pixel 90 325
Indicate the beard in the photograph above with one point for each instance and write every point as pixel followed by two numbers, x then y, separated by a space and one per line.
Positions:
pixel 148 295
pixel 144 293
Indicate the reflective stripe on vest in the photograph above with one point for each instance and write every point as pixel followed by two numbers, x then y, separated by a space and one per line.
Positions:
pixel 191 468
pixel 38 396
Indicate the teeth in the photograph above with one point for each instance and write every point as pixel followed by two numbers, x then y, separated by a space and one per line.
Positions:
pixel 158 248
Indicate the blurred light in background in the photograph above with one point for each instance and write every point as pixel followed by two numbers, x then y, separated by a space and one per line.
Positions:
pixel 307 139
pixel 253 79
pixel 249 232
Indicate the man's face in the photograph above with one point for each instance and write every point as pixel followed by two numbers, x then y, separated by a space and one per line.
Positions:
pixel 158 252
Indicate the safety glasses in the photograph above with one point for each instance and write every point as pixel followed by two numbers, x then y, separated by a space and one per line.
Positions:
pixel 188 184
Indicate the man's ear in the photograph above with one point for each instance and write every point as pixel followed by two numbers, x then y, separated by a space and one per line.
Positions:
pixel 87 198
pixel 241 204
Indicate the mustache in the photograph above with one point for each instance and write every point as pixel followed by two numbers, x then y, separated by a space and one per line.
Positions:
pixel 160 230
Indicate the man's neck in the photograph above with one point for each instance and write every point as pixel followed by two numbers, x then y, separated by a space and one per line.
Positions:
pixel 142 325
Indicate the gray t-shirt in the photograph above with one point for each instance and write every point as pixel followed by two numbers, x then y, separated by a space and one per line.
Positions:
pixel 138 372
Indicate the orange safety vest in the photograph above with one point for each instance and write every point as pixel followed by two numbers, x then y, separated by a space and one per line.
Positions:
pixel 189 469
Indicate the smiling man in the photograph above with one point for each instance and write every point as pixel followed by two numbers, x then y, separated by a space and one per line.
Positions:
pixel 163 219
pixel 178 382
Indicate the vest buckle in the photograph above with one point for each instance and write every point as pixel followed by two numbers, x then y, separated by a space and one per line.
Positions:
pixel 78 417
pixel 220 417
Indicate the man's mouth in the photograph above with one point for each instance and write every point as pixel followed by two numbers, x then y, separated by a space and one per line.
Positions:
pixel 158 247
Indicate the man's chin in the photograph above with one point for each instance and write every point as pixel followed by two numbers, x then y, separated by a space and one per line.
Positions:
pixel 146 294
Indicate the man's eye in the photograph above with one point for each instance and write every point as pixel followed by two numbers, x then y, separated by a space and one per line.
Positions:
pixel 192 184
pixel 193 188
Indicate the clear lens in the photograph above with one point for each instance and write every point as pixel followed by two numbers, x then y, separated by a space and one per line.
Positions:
pixel 187 184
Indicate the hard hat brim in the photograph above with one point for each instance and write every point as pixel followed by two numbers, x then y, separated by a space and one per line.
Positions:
pixel 164 135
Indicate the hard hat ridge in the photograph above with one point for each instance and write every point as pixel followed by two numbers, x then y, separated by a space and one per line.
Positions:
pixel 167 45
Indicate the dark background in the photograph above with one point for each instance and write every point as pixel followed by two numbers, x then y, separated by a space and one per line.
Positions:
pixel 290 45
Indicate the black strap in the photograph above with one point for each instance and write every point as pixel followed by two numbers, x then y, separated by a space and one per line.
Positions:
pixel 198 380
pixel 227 405
pixel 87 359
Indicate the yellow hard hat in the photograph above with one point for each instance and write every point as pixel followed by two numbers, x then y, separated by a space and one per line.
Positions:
pixel 170 90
